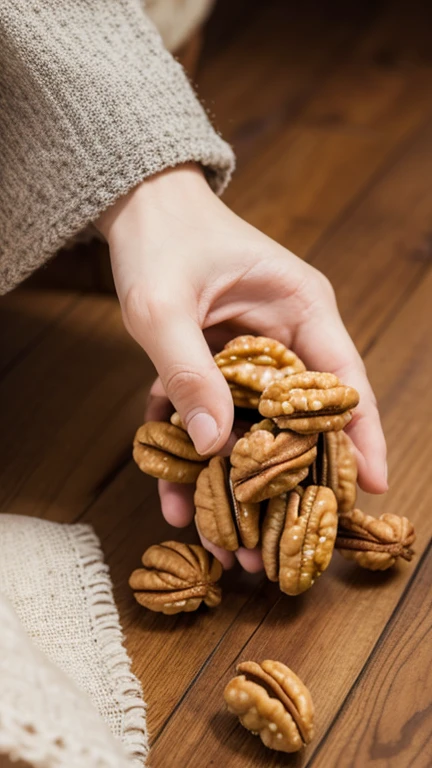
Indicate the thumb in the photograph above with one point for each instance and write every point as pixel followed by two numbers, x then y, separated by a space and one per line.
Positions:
pixel 191 378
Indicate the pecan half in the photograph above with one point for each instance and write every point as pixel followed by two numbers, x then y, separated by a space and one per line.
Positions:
pixel 270 700
pixel 298 537
pixel 374 543
pixel 336 467
pixel 177 577
pixel 250 363
pixel 309 402
pixel 266 462
pixel 163 450
pixel 220 517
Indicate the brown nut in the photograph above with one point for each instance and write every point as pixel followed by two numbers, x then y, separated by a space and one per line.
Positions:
pixel 266 462
pixel 270 700
pixel 222 519
pixel 166 451
pixel 250 363
pixel 336 467
pixel 374 543
pixel 309 402
pixel 298 537
pixel 177 577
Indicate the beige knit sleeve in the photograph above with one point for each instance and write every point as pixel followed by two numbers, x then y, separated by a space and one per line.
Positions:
pixel 90 104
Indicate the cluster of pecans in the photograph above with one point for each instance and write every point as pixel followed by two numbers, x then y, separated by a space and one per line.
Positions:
pixel 289 486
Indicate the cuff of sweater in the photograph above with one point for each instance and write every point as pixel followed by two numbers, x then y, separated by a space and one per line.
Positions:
pixel 88 126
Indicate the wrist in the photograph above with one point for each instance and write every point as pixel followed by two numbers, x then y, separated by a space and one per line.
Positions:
pixel 166 193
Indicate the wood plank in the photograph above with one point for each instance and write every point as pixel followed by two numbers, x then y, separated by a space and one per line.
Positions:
pixel 386 720
pixel 74 403
pixel 25 317
pixel 285 51
pixel 320 159
pixel 327 634
pixel 382 248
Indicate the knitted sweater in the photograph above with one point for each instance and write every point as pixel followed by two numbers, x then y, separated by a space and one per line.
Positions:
pixel 91 104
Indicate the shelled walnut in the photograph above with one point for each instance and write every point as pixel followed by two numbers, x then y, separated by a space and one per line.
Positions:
pixel 270 700
pixel 267 462
pixel 219 517
pixel 250 363
pixel 166 451
pixel 309 402
pixel 298 536
pixel 374 543
pixel 177 577
pixel 336 467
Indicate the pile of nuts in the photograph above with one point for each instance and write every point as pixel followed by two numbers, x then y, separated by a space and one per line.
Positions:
pixel 289 487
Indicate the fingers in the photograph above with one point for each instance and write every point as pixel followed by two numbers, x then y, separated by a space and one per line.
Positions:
pixel 226 558
pixel 323 342
pixel 158 407
pixel 190 377
pixel 250 559
pixel 176 503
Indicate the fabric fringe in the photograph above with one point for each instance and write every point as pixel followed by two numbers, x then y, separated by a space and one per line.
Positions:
pixel 106 627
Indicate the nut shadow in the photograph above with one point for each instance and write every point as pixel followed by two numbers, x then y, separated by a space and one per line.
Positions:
pixel 247 749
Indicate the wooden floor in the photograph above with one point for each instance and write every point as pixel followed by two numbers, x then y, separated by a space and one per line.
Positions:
pixel 330 112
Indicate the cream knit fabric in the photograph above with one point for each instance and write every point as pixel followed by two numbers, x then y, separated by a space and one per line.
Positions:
pixel 67 695
pixel 91 103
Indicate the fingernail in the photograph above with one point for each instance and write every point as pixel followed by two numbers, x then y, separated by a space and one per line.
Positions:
pixel 204 432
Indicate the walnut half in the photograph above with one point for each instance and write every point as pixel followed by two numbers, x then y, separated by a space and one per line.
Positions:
pixel 166 451
pixel 309 402
pixel 177 577
pixel 270 700
pixel 266 462
pixel 298 537
pixel 249 363
pixel 374 543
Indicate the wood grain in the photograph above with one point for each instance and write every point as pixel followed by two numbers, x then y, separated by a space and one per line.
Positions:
pixel 388 714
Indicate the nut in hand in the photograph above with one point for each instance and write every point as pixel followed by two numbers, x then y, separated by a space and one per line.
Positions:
pixel 222 519
pixel 270 700
pixel 266 462
pixel 177 577
pixel 250 363
pixel 336 467
pixel 166 451
pixel 298 537
pixel 374 543
pixel 309 402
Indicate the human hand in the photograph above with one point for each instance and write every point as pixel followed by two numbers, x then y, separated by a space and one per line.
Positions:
pixel 191 275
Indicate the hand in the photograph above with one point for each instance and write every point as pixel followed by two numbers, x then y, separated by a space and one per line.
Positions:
pixel 190 275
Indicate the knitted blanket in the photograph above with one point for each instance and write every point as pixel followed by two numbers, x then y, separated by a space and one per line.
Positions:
pixel 68 698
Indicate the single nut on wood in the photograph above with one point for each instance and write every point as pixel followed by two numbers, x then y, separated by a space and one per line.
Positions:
pixel 177 577
pixel 222 519
pixel 336 467
pixel 271 701
pixel 309 402
pixel 163 450
pixel 266 462
pixel 375 543
pixel 298 537
pixel 250 363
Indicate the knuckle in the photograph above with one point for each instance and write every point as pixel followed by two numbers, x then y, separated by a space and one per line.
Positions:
pixel 182 383
pixel 143 310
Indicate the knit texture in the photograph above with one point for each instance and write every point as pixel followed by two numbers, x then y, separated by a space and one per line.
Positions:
pixel 91 104
pixel 68 698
